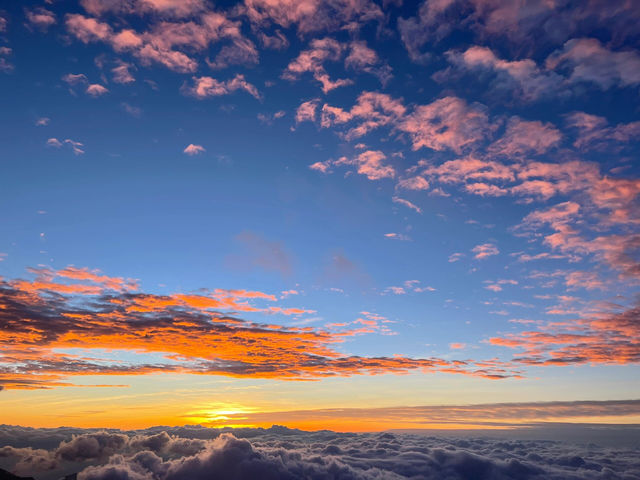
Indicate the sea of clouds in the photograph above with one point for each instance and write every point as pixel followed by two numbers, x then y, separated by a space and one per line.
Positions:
pixel 198 453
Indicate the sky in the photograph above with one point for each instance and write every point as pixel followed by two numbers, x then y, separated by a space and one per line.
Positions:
pixel 343 214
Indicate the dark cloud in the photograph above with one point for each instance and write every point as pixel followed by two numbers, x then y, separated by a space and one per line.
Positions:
pixel 282 453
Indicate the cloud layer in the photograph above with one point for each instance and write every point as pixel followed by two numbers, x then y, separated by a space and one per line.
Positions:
pixel 280 453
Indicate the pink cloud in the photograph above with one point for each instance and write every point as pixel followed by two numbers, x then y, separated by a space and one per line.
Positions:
pixel 526 138
pixel 41 18
pixel 171 8
pixel 397 236
pixel 369 163
pixel 414 183
pixel 485 250
pixel 87 29
pixel 306 112
pixel 524 80
pixel 587 60
pixel 121 73
pixel 96 90
pixel 312 15
pixel 371 111
pixel 204 87
pixel 593 132
pixel 312 60
pixel 455 257
pixel 447 124
pixel 406 203
pixel 193 149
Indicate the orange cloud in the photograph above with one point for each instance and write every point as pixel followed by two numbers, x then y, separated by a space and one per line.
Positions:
pixel 191 333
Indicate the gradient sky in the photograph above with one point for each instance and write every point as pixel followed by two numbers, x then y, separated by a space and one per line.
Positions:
pixel 211 212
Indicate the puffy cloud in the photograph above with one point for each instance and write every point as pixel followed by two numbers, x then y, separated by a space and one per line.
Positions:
pixel 192 149
pixel 371 111
pixel 523 138
pixel 306 112
pixel 414 183
pixel 364 59
pixel 312 15
pixel 204 87
pixel 169 43
pixel 91 446
pixel 96 90
pixel 587 60
pixel 535 24
pixel 369 163
pixel 312 60
pixel 87 29
pixel 41 18
pixel 170 8
pixel 522 80
pixel 75 78
pixel 282 453
pixel 594 132
pixel 447 124
pixel 122 74
pixel 241 51
pixel 54 142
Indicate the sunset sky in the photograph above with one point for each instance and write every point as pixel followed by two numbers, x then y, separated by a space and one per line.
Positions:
pixel 344 214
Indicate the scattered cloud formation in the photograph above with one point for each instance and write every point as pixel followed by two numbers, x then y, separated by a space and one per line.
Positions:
pixel 194 332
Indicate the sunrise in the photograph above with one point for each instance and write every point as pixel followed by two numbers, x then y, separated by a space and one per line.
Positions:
pixel 319 239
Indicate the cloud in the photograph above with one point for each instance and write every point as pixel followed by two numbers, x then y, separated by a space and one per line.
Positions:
pixel 75 78
pixel 96 90
pixel 311 16
pixel 594 132
pixel 521 80
pixel 447 123
pixel 371 111
pixel 306 112
pixel 41 18
pixel 42 121
pixel 414 183
pixel 406 203
pixel 54 142
pixel 600 337
pixel 455 257
pixel 283 453
pixel 485 250
pixel 241 51
pixel 171 43
pixel 533 26
pixel 397 236
pixel 526 138
pixel 587 60
pixel 192 332
pixel 192 149
pixel 204 87
pixel 122 74
pixel 76 147
pixel 166 8
pixel 312 60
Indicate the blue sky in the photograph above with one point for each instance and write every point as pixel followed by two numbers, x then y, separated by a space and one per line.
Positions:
pixel 425 182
